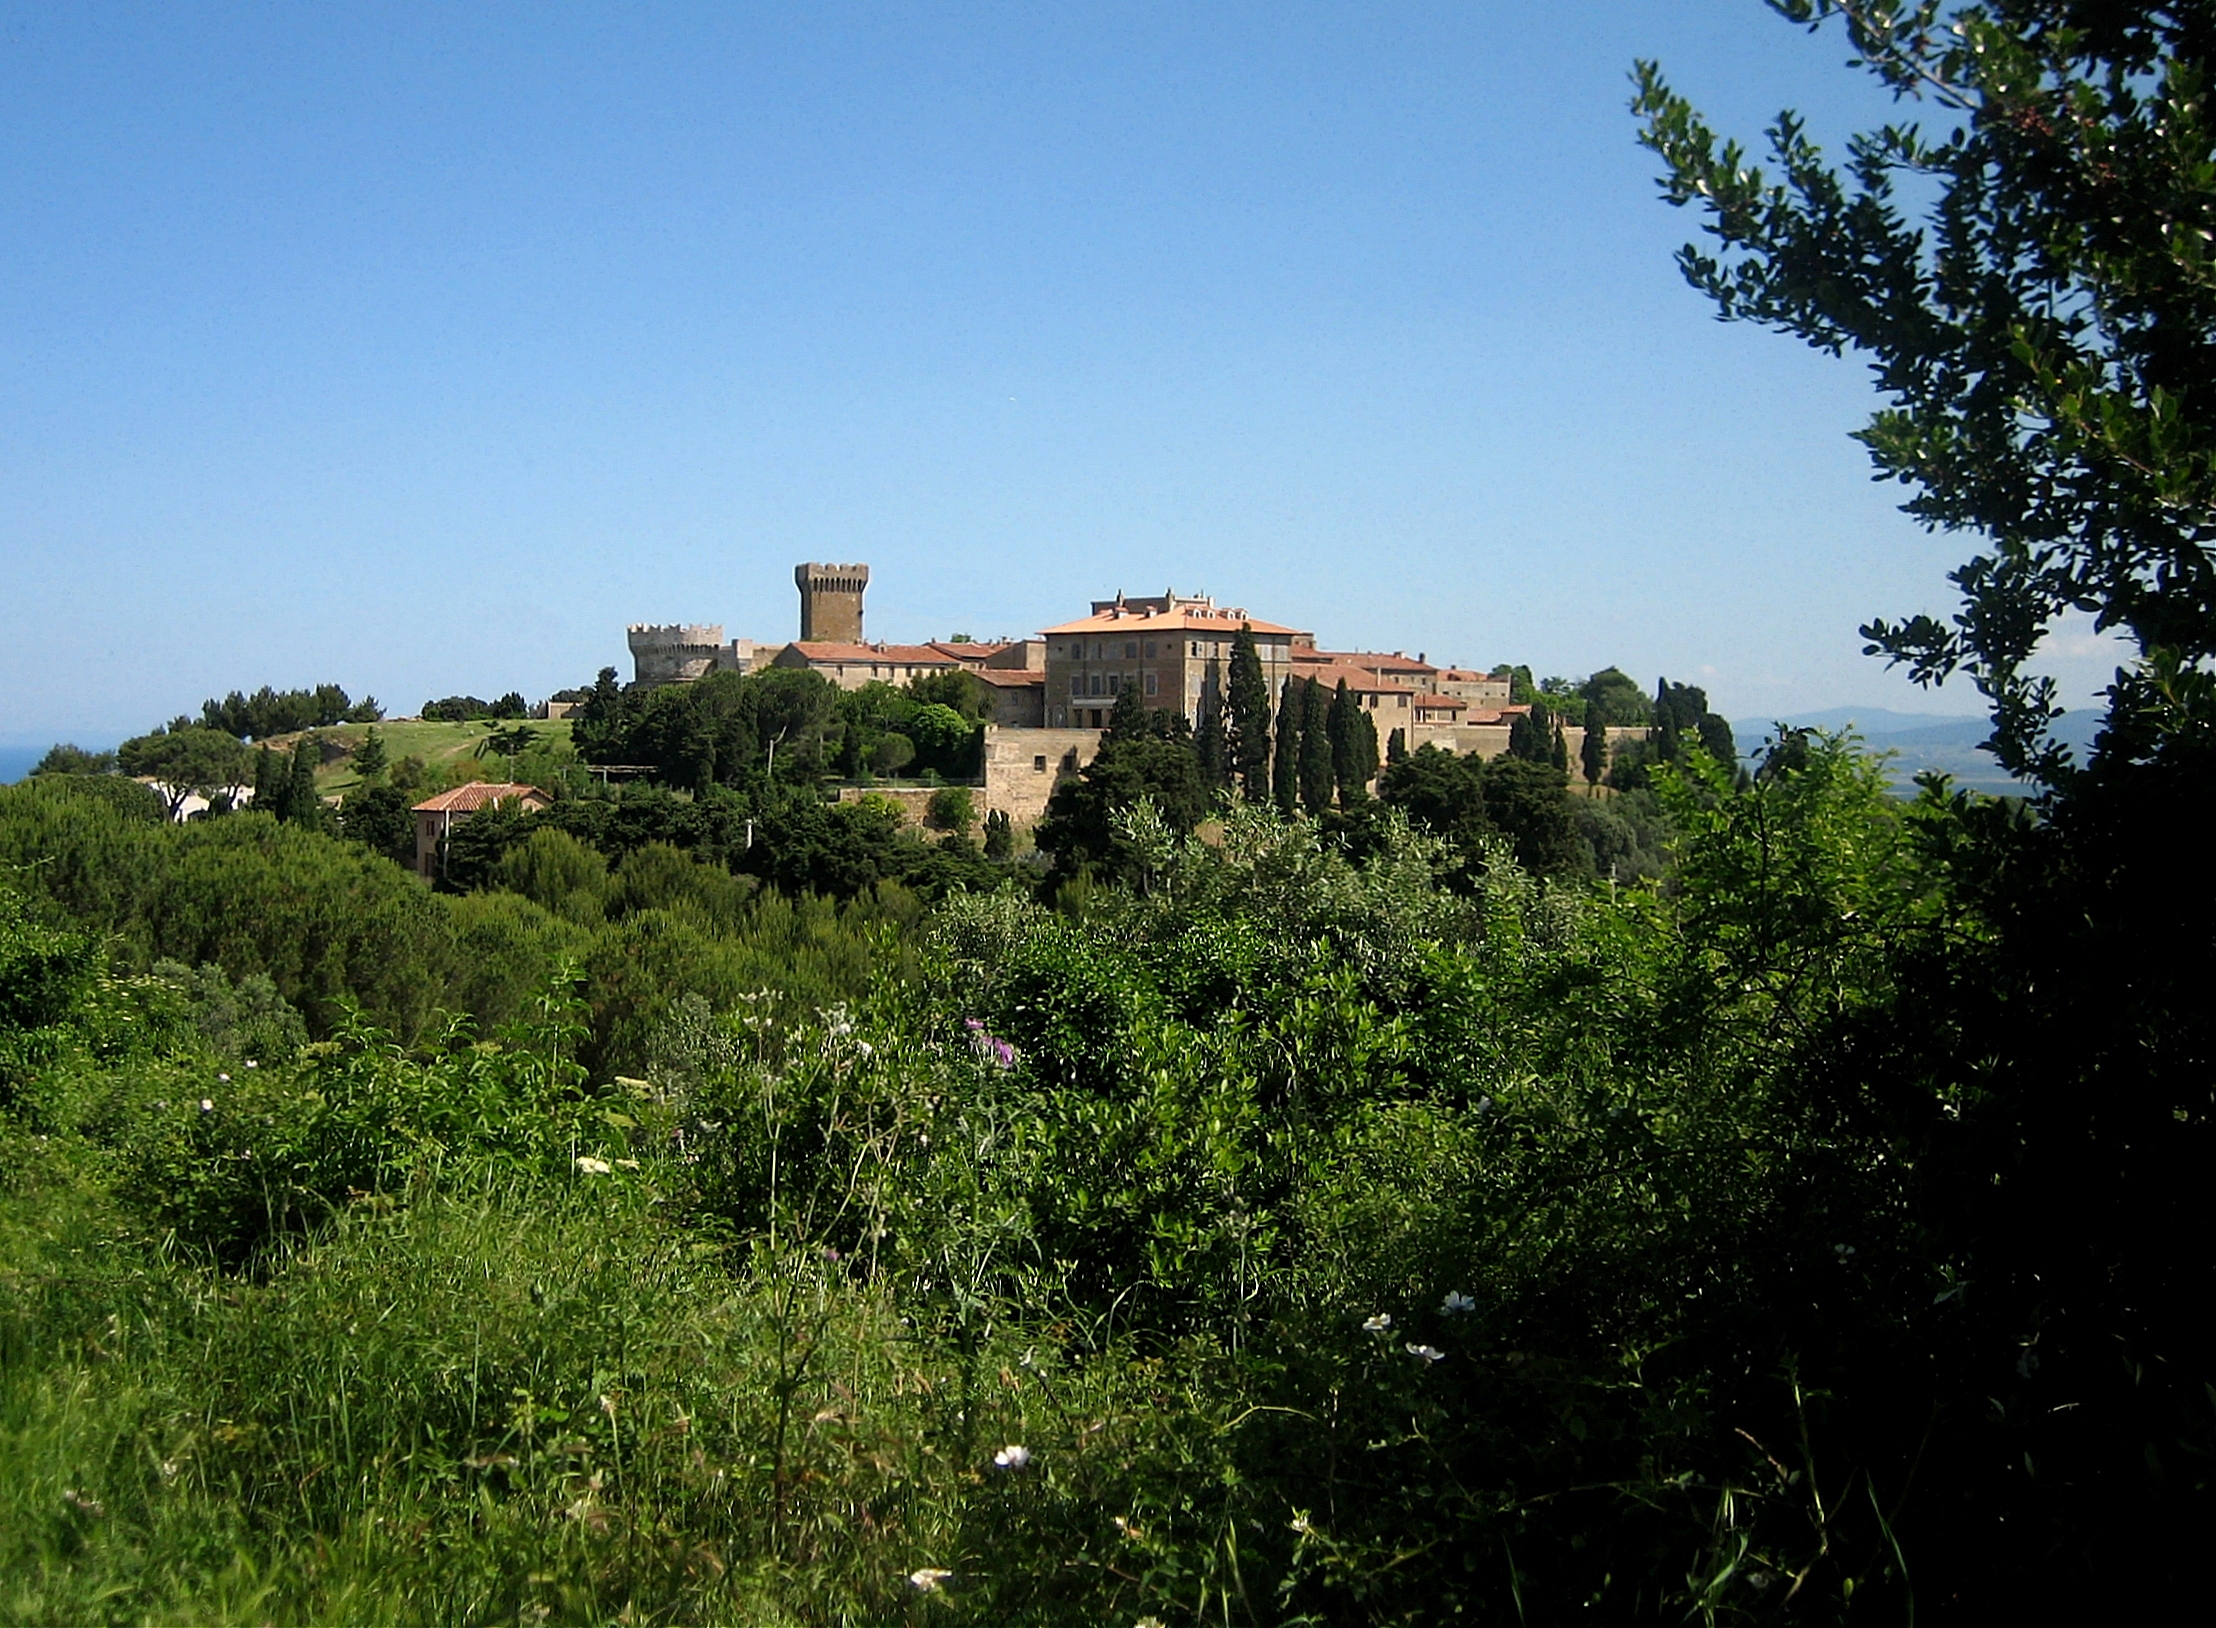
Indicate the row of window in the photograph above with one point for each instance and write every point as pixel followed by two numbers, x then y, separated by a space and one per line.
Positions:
pixel 1107 683
pixel 1141 649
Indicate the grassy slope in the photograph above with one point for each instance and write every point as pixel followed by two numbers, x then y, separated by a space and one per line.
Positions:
pixel 433 742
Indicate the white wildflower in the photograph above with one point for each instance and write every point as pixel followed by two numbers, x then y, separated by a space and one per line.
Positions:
pixel 1378 1323
pixel 207 1105
pixel 1012 1457
pixel 1429 1353
pixel 926 1579
pixel 225 1078
pixel 1457 1301
pixel 592 1166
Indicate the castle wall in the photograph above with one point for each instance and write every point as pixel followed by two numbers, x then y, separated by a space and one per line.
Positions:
pixel 673 653
pixel 1023 766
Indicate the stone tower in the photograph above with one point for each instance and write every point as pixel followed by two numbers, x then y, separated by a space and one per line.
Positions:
pixel 831 602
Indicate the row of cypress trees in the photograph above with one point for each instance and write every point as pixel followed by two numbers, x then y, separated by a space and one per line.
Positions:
pixel 1319 749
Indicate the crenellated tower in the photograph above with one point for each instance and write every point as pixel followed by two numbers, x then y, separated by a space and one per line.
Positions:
pixel 831 602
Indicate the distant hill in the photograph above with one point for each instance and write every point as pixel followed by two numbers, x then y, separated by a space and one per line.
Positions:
pixel 1923 742
pixel 18 761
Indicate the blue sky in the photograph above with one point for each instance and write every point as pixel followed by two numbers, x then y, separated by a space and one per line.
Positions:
pixel 420 348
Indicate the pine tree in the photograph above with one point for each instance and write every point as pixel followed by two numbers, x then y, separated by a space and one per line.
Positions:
pixel 1249 699
pixel 1127 718
pixel 302 807
pixel 369 757
pixel 1285 771
pixel 1315 749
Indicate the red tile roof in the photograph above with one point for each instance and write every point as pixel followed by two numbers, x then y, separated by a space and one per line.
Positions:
pixel 1186 619
pixel 1008 678
pixel 1375 661
pixel 1359 680
pixel 479 794
pixel 906 655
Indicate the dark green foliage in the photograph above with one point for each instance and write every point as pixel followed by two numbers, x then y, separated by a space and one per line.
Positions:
pixel 1592 752
pixel 1212 745
pixel 1353 737
pixel 1470 800
pixel 66 759
pixel 1285 761
pixel 1616 696
pixel 1247 702
pixel 1522 692
pixel 463 709
pixel 382 819
pixel 1316 776
pixel 1143 755
pixel 2043 337
pixel 1396 746
pixel 299 803
pixel 189 762
pixel 369 756
pixel 1000 835
pixel 270 712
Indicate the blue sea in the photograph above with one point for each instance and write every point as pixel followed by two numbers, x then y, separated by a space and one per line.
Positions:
pixel 18 761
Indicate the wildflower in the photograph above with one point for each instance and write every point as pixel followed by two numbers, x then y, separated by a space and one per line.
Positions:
pixel 1842 1250
pixel 926 1579
pixel 627 1164
pixel 592 1166
pixel 1148 1622
pixel 207 1105
pixel 1012 1457
pixel 84 1503
pixel 250 1063
pixel 1429 1353
pixel 1378 1323
pixel 1457 1301
pixel 225 1078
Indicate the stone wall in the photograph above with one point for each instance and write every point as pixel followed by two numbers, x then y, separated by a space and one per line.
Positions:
pixel 1023 766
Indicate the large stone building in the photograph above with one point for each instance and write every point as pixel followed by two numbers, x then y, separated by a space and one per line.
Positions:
pixel 1175 651
pixel 831 602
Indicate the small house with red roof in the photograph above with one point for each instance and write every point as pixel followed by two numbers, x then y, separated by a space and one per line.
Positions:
pixel 436 816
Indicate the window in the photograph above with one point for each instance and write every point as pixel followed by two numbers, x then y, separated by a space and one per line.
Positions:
pixel 1095 684
pixel 1196 647
pixel 1115 682
pixel 1150 650
pixel 1131 650
pixel 1150 683
pixel 1077 683
pixel 1038 764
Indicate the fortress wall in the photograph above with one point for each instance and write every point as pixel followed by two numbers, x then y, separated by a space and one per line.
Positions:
pixel 1023 766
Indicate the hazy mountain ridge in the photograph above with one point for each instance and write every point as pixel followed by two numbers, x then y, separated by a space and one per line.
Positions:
pixel 1925 742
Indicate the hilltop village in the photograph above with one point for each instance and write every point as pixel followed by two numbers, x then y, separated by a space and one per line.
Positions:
pixel 1052 692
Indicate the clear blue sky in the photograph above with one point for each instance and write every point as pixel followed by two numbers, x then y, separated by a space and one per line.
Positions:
pixel 419 348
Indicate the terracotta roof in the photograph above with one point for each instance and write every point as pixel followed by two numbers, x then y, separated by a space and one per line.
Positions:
pixel 1360 680
pixel 1462 675
pixel 478 794
pixel 1186 619
pixel 969 654
pixel 1008 678
pixel 1375 661
pixel 912 655
pixel 1435 703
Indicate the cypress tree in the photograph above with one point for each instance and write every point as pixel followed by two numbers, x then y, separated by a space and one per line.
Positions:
pixel 1666 749
pixel 302 806
pixel 1285 771
pixel 1592 757
pixel 1365 750
pixel 1558 750
pixel 1248 694
pixel 1213 748
pixel 1344 727
pixel 1396 746
pixel 269 783
pixel 1316 776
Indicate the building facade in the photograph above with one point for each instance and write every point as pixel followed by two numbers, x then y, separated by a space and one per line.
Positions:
pixel 1175 651
pixel 831 602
